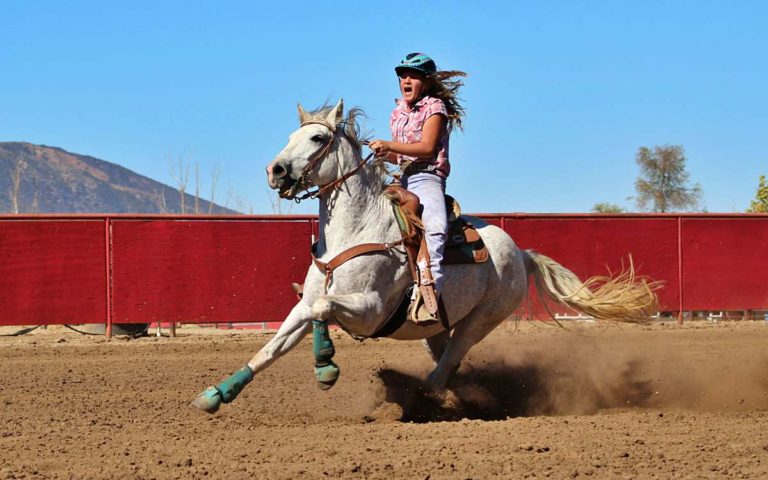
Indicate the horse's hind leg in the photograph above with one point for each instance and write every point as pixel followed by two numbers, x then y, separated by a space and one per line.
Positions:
pixel 436 345
pixel 469 331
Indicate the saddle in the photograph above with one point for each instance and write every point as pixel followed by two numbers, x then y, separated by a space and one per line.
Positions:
pixel 463 246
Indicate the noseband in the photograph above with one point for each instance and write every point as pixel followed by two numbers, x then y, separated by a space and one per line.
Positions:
pixel 304 183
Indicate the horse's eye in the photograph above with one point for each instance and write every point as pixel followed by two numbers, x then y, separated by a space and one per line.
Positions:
pixel 318 139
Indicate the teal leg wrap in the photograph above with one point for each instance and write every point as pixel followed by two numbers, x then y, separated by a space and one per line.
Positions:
pixel 231 387
pixel 326 371
pixel 322 345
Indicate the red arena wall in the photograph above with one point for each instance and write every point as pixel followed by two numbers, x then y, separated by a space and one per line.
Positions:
pixel 52 271
pixel 211 269
pixel 206 271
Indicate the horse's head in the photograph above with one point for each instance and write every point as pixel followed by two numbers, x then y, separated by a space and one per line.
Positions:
pixel 303 163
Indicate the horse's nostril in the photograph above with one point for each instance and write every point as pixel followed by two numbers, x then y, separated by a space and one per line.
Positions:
pixel 278 171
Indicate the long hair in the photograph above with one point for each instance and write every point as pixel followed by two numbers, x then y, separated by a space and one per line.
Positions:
pixel 445 85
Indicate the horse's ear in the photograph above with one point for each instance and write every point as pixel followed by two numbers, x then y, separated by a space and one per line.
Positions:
pixel 336 115
pixel 302 114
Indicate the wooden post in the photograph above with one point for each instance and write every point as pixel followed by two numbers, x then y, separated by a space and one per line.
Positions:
pixel 680 282
pixel 108 254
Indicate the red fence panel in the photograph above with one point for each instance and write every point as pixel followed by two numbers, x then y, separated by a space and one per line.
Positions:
pixel 55 269
pixel 207 271
pixel 496 220
pixel 52 271
pixel 725 261
pixel 589 245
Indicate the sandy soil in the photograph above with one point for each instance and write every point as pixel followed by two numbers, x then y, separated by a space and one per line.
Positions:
pixel 536 401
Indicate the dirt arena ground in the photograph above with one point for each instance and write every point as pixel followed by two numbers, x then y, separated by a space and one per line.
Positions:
pixel 599 401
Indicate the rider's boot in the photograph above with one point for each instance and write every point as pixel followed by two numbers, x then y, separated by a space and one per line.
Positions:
pixel 425 306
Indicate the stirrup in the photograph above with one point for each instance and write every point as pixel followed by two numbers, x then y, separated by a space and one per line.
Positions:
pixel 418 312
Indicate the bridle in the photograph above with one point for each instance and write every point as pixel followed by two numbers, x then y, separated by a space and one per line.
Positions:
pixel 303 183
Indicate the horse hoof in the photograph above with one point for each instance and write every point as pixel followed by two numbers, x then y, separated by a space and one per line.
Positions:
pixel 450 401
pixel 208 401
pixel 327 375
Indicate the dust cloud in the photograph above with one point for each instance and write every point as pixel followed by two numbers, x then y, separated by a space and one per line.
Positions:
pixel 569 373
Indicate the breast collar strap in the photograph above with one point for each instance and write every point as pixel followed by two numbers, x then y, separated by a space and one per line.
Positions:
pixel 364 248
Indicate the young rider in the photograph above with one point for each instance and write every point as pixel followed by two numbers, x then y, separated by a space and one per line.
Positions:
pixel 421 125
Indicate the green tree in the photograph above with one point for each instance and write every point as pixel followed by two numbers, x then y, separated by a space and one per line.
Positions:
pixel 760 203
pixel 605 207
pixel 662 185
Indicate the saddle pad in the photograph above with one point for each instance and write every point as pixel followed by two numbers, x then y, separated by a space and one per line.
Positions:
pixel 464 244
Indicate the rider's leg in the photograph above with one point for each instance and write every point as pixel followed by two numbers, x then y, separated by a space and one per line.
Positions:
pixel 431 191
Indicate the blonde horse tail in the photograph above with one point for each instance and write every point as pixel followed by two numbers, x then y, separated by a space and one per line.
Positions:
pixel 623 297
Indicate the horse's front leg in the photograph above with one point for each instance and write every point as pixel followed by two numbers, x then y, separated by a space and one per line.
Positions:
pixel 358 312
pixel 291 331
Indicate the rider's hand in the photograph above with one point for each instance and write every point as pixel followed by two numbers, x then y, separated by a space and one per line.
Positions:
pixel 380 147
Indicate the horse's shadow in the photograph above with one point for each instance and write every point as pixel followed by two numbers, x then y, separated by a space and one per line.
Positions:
pixel 486 395
pixel 504 391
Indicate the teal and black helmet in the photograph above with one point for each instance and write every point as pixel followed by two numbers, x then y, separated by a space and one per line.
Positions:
pixel 417 61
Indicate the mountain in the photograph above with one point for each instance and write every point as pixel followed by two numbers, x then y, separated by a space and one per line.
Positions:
pixel 53 180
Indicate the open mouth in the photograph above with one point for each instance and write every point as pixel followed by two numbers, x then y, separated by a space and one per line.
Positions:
pixel 407 89
pixel 286 189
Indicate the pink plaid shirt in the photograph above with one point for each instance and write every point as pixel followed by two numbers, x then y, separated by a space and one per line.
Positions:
pixel 407 123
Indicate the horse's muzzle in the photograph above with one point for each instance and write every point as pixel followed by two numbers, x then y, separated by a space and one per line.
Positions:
pixel 279 178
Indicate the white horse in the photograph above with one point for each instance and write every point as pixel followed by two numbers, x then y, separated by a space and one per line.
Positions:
pixel 363 293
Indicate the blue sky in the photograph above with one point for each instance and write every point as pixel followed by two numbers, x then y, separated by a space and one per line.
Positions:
pixel 560 94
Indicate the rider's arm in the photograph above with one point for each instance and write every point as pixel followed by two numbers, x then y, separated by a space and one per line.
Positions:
pixel 425 148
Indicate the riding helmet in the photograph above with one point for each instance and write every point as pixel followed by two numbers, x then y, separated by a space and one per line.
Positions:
pixel 417 61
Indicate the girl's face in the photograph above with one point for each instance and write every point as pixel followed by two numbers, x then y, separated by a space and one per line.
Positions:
pixel 412 85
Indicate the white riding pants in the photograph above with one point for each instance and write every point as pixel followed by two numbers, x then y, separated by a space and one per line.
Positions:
pixel 430 189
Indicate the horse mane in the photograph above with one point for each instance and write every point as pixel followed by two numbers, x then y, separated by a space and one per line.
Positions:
pixel 352 128
pixel 352 131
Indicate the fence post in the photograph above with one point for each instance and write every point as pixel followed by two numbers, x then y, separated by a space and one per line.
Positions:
pixel 108 255
pixel 680 282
